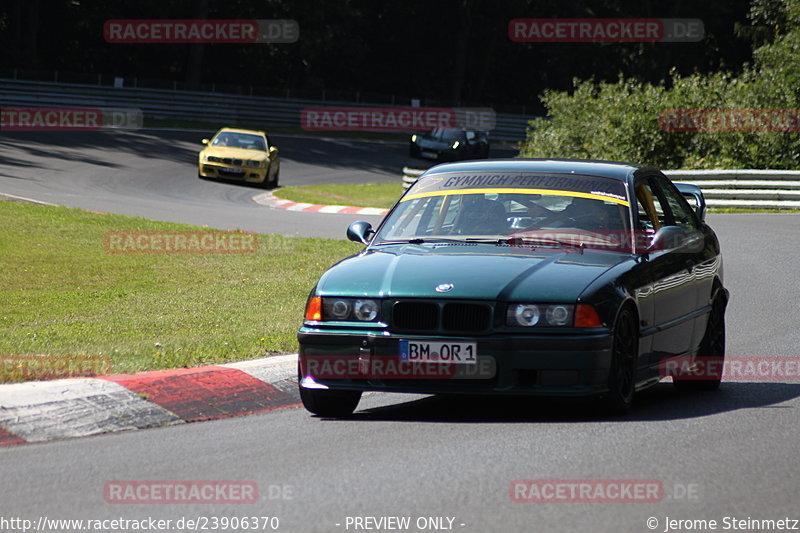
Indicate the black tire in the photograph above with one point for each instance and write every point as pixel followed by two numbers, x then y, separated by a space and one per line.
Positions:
pixel 711 351
pixel 271 183
pixel 330 403
pixel 622 371
pixel 274 183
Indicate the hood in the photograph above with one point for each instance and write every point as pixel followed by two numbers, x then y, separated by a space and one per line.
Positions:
pixel 237 153
pixel 434 144
pixel 480 272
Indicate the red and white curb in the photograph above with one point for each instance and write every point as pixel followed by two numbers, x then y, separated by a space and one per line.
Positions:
pixel 270 200
pixel 47 410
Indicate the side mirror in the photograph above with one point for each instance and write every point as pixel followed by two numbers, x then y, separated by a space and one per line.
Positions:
pixel 359 231
pixel 674 238
pixel 667 237
pixel 204 141
pixel 273 150
pixel 695 197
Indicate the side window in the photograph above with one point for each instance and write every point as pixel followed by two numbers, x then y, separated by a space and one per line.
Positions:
pixel 652 214
pixel 679 208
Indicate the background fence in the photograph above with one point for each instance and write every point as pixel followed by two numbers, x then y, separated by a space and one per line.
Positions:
pixel 226 109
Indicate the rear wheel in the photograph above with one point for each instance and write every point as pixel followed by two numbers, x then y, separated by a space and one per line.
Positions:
pixel 621 374
pixel 710 353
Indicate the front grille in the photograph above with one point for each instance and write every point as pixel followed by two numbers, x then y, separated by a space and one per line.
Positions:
pixel 456 317
pixel 231 161
pixel 466 317
pixel 225 172
pixel 418 316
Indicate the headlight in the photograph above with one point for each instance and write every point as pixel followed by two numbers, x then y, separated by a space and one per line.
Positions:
pixel 414 138
pixel 366 310
pixel 542 315
pixel 559 315
pixel 524 314
pixel 340 309
pixel 354 309
pixel 456 145
pixel 213 159
pixel 255 163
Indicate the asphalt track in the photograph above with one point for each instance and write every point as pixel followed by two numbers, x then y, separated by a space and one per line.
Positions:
pixel 732 453
pixel 153 174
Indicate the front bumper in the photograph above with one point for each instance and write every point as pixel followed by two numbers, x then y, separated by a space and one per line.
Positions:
pixel 222 171
pixel 545 365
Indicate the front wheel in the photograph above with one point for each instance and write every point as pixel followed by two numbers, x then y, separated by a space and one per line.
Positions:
pixel 277 175
pixel 622 372
pixel 330 403
pixel 710 354
pixel 271 183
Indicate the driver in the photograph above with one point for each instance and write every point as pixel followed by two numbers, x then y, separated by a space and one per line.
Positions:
pixel 591 214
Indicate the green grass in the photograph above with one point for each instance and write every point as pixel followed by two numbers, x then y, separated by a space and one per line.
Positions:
pixel 64 295
pixel 365 195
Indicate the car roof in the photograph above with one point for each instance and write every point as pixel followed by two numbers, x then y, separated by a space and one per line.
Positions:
pixel 606 169
pixel 240 130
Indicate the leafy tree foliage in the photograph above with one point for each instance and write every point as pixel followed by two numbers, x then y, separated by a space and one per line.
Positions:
pixel 621 120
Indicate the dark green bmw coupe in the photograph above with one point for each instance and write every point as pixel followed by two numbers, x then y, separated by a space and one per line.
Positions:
pixel 522 276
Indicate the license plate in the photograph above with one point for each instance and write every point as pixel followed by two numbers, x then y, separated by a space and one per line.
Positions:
pixel 233 170
pixel 459 353
pixel 431 155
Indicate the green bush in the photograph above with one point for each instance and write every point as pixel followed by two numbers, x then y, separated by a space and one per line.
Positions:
pixel 621 121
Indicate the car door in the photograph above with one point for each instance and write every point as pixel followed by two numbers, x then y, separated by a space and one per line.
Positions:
pixel 702 258
pixel 670 285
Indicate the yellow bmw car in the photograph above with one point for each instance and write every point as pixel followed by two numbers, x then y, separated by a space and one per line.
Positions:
pixel 244 155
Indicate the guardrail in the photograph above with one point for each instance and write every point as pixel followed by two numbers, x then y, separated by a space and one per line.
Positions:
pixel 772 189
pixel 208 107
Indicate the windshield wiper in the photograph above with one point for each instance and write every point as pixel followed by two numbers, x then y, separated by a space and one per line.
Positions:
pixel 431 240
pixel 436 239
pixel 523 241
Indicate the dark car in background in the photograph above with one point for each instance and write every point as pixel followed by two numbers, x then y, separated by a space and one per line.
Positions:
pixel 445 144
pixel 526 277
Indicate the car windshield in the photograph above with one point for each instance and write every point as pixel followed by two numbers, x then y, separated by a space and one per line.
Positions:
pixel 448 135
pixel 513 208
pixel 248 141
